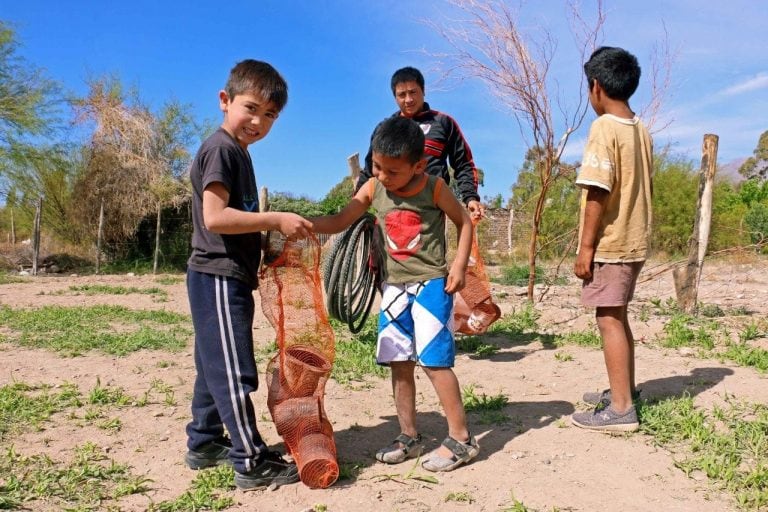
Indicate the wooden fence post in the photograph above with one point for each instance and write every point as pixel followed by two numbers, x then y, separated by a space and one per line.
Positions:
pixel 353 162
pixel 99 235
pixel 687 278
pixel 157 239
pixel 36 235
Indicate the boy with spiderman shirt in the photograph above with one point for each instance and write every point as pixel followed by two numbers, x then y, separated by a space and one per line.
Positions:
pixel 415 322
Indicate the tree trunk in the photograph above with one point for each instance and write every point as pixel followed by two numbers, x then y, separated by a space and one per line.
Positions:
pixel 13 229
pixel 36 236
pixel 157 239
pixel 687 278
pixel 532 247
pixel 99 235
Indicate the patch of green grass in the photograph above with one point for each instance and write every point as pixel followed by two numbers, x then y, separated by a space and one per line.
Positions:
pixel 89 482
pixel 24 407
pixel 665 308
pixel 459 497
pixel 750 332
pixel 115 330
pixel 682 331
pixel 106 289
pixel 563 357
pixel 516 275
pixel 728 444
pixel 744 355
pixel 108 395
pixel 710 310
pixel 580 338
pixel 6 278
pixel 205 493
pixel 490 409
pixel 169 280
pixel 523 320
pixel 474 344
pixel 349 470
pixel 356 354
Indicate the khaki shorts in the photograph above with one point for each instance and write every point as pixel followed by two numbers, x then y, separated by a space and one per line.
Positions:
pixel 612 284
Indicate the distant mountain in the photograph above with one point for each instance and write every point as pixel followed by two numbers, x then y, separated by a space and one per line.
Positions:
pixel 730 170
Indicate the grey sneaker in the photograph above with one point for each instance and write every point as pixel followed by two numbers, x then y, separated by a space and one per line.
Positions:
pixel 271 469
pixel 604 419
pixel 210 454
pixel 595 397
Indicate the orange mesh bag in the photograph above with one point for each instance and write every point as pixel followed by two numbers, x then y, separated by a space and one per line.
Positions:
pixel 473 308
pixel 292 301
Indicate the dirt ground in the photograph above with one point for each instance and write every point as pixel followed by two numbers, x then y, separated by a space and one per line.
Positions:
pixel 538 457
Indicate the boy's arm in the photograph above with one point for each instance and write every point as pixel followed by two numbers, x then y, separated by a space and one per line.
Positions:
pixel 219 218
pixel 593 213
pixel 338 222
pixel 447 202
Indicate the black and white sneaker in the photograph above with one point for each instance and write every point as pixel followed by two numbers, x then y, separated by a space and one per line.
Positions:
pixel 270 469
pixel 210 454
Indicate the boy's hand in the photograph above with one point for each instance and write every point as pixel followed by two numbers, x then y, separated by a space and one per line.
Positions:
pixel 583 266
pixel 456 278
pixel 293 226
pixel 476 209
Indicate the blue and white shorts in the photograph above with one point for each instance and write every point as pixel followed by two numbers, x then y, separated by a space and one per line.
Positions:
pixel 416 324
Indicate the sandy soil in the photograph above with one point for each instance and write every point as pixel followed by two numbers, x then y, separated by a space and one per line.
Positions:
pixel 537 457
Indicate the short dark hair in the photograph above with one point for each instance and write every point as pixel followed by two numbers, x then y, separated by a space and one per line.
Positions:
pixel 255 76
pixel 398 137
pixel 615 69
pixel 407 74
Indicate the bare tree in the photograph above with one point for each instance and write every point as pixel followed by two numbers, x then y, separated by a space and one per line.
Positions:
pixel 130 163
pixel 492 45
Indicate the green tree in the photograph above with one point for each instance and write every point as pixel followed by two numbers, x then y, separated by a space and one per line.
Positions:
pixel 756 166
pixel 27 101
pixel 134 162
pixel 338 196
pixel 559 216
pixel 287 202
pixel 675 189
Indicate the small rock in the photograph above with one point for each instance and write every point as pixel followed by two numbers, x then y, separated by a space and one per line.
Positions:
pixel 547 462
pixel 158 414
pixel 518 455
pixel 686 352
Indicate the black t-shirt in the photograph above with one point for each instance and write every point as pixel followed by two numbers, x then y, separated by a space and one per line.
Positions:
pixel 220 159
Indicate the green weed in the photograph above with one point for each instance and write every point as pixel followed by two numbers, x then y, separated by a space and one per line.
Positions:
pixel 665 308
pixel 205 493
pixel 459 497
pixel 474 344
pixel 750 332
pixel 580 338
pixel 518 322
pixel 89 482
pixel 729 444
pixel 356 356
pixel 680 331
pixel 169 280
pixel 6 278
pixel 105 289
pixel 112 329
pixel 563 356
pixel 24 407
pixel 744 355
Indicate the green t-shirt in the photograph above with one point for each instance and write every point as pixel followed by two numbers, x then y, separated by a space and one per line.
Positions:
pixel 413 231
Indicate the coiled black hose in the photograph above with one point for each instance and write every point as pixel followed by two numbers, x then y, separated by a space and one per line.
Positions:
pixel 348 274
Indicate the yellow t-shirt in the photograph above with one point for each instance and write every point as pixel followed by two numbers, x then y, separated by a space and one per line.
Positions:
pixel 618 158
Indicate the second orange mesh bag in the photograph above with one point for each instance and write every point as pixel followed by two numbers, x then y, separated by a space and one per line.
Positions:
pixel 291 298
pixel 473 308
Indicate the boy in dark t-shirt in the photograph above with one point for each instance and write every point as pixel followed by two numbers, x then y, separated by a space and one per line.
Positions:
pixel 221 277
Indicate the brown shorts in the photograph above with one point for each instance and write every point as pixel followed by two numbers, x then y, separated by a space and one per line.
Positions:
pixel 612 284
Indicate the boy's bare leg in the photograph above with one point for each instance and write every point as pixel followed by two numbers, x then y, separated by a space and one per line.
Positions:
pixel 631 344
pixel 447 387
pixel 619 354
pixel 404 392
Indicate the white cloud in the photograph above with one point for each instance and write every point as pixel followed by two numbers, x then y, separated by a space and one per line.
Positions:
pixel 759 81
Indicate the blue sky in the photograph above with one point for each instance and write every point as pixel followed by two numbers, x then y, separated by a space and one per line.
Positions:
pixel 338 56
